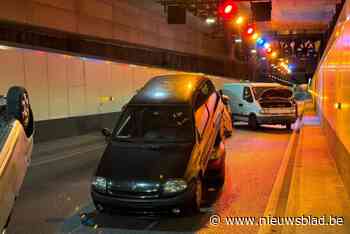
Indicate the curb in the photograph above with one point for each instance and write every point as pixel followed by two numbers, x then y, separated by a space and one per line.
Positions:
pixel 278 193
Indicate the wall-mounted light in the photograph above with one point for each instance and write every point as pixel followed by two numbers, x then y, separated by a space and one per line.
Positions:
pixel 3 47
pixel 338 105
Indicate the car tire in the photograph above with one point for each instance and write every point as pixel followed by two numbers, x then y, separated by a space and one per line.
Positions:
pixel 18 107
pixel 195 203
pixel 253 122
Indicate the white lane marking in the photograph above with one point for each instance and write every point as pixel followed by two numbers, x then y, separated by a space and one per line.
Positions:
pixel 57 157
pixel 151 225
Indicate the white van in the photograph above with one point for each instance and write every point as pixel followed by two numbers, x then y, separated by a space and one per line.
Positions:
pixel 261 103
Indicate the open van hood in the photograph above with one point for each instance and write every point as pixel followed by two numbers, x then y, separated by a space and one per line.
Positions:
pixel 277 93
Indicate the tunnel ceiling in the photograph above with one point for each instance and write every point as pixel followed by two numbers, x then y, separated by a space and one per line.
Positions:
pixel 300 15
pixel 286 15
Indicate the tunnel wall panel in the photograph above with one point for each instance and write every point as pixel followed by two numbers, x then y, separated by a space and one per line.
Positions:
pixel 35 73
pixel 74 95
pixel 331 92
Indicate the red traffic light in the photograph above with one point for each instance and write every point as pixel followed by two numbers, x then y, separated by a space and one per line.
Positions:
pixel 228 9
pixel 249 30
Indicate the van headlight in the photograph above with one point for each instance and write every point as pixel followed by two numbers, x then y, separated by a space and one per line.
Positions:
pixel 174 186
pixel 99 184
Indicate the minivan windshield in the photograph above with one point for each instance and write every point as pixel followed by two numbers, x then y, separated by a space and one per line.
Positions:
pixel 154 124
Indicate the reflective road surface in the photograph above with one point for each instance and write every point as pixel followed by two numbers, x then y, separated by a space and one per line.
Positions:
pixel 56 191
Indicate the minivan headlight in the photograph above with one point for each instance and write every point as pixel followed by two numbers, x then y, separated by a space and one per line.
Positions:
pixel 99 184
pixel 174 186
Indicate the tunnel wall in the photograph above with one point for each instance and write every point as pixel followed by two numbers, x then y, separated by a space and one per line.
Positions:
pixel 136 21
pixel 331 91
pixel 74 95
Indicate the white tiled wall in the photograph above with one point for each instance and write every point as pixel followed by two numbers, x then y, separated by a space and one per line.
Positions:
pixel 63 86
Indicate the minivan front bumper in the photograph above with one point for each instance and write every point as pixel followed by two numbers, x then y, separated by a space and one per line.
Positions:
pixel 276 119
pixel 139 205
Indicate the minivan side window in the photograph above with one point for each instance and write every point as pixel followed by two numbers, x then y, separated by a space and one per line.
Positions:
pixel 247 94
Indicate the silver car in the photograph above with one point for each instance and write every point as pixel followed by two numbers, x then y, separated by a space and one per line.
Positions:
pixel 16 144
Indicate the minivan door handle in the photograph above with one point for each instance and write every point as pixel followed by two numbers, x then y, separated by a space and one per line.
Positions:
pixel 240 104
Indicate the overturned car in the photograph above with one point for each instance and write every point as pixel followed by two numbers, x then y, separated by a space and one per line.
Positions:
pixel 16 144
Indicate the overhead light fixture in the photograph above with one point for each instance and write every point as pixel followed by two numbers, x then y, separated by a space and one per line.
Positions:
pixel 228 9
pixel 267 45
pixel 253 51
pixel 210 20
pixel 260 41
pixel 238 40
pixel 239 20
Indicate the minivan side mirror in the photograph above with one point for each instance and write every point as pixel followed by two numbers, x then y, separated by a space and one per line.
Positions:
pixel 106 132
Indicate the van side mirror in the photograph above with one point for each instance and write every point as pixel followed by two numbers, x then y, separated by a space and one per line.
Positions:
pixel 106 132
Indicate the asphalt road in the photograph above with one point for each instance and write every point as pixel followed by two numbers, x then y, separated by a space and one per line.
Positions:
pixel 56 192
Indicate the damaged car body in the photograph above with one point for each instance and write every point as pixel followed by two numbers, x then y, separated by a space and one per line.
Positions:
pixel 16 144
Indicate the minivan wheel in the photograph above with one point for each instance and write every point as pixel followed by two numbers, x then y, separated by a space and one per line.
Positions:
pixel 196 201
pixel 252 122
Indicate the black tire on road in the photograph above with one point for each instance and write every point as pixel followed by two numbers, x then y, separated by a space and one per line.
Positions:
pixel 18 107
pixel 253 122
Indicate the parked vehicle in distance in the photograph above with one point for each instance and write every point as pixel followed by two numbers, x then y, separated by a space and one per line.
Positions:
pixel 16 144
pixel 158 154
pixel 261 103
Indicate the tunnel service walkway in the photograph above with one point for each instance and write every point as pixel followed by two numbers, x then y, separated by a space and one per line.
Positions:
pixel 316 187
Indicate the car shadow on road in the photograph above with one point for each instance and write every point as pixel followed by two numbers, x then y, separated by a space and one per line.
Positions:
pixel 123 222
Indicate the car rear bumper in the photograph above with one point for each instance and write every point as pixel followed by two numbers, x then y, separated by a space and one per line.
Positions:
pixel 276 119
pixel 139 205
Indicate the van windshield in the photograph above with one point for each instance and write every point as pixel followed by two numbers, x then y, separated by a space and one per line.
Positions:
pixel 155 123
